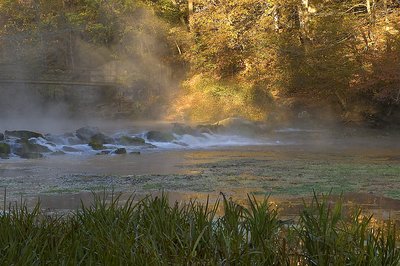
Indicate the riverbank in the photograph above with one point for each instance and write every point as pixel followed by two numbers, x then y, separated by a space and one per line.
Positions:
pixel 153 232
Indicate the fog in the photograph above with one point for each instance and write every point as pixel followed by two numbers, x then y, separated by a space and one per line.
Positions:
pixel 135 81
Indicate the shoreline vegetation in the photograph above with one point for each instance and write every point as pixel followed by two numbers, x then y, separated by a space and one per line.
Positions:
pixel 153 232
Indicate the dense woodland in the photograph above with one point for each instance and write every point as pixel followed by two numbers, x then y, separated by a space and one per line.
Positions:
pixel 210 59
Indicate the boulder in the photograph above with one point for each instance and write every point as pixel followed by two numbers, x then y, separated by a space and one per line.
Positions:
pixel 1 136
pixel 104 152
pixel 5 150
pixel 86 133
pixel 159 136
pixel 23 134
pixel 96 145
pixel 120 151
pixel 98 140
pixel 28 150
pixel 75 141
pixel 182 129
pixel 132 141
pixel 58 139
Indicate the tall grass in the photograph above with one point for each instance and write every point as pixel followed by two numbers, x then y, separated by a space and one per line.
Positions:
pixel 152 232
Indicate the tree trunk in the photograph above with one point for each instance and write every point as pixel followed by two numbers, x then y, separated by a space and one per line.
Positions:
pixel 277 17
pixel 368 3
pixel 386 15
pixel 304 20
pixel 190 7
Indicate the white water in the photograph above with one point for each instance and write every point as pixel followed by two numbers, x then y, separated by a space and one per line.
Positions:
pixel 206 140
pixel 70 144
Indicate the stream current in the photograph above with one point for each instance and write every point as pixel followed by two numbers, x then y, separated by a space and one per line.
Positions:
pixel 287 165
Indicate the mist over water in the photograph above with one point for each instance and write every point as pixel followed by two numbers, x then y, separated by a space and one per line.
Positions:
pixel 137 81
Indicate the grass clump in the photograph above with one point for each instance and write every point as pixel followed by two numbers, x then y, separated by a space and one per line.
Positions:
pixel 152 232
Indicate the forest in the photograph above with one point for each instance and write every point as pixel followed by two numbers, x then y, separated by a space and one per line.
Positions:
pixel 204 60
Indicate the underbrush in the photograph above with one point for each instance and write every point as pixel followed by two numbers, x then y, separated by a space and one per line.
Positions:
pixel 152 232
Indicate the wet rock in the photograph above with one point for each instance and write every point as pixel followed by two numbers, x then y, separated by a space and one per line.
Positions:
pixel 98 140
pixel 120 151
pixel 23 134
pixel 58 139
pixel 96 145
pixel 105 152
pixel 29 150
pixel 132 141
pixel 101 138
pixel 5 150
pixel 1 136
pixel 86 133
pixel 75 141
pixel 69 149
pixel 159 136
pixel 182 129
pixel 135 152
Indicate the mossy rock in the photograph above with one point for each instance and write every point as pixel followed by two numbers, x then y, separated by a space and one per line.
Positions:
pixel 97 141
pixel 96 145
pixel 86 133
pixel 126 140
pixel 23 134
pixel 5 150
pixel 120 151
pixel 26 149
pixel 159 136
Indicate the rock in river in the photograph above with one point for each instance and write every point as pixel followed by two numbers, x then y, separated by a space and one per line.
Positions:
pixel 160 136
pixel 87 134
pixel 182 129
pixel 134 141
pixel 5 150
pixel 98 140
pixel 120 151
pixel 23 134
pixel 1 136
pixel 28 150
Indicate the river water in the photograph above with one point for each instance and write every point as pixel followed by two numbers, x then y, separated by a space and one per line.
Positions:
pixel 287 165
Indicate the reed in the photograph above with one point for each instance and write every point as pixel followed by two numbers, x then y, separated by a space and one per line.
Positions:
pixel 152 232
